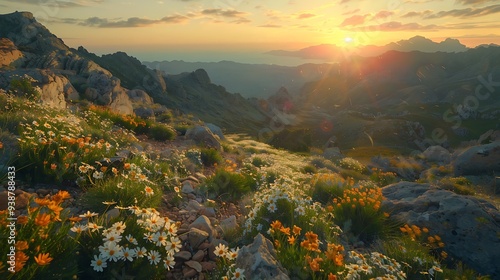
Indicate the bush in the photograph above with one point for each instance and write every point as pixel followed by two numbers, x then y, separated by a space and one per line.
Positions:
pixel 22 87
pixel 229 185
pixel 161 132
pixel 309 169
pixel 327 186
pixel 210 156
pixel 459 185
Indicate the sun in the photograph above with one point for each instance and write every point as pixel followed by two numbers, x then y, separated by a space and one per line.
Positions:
pixel 348 40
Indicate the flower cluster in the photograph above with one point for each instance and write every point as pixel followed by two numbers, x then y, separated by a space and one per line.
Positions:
pixel 227 258
pixel 352 164
pixel 145 236
pixel 422 235
pixel 375 265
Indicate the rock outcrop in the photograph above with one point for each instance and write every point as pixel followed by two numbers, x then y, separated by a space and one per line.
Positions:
pixel 478 160
pixel 467 225
pixel 437 154
pixel 259 260
pixel 10 55
pixel 202 135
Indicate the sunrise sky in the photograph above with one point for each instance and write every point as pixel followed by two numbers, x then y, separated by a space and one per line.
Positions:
pixel 238 26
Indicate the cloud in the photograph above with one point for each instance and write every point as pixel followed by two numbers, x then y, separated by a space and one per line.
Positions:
pixel 417 14
pixel 466 13
pixel 473 2
pixel 382 14
pixel 131 22
pixel 354 20
pixel 59 4
pixel 351 12
pixel 305 16
pixel 223 13
pixel 271 26
pixel 397 26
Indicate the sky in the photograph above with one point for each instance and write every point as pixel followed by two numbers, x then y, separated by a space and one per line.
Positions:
pixel 203 28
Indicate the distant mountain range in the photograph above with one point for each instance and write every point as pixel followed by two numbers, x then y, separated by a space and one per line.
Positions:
pixel 333 53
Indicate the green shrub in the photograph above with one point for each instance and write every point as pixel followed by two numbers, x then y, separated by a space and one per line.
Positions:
pixel 161 132
pixel 259 162
pixel 22 87
pixel 228 185
pixel 459 185
pixel 309 169
pixel 181 128
pixel 210 156
pixel 327 186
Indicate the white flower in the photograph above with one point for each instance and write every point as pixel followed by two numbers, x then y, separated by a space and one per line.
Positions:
pixel 149 191
pixel 131 239
pixel 94 227
pixel 238 274
pixel 128 254
pixel 78 228
pixel 220 250
pixel 88 214
pixel 98 175
pixel 174 244
pixel 169 262
pixel 119 227
pixel 112 236
pixel 111 251
pixel 160 238
pixel 140 252
pixel 98 263
pixel 154 257
pixel 231 255
pixel 300 210
pixel 271 207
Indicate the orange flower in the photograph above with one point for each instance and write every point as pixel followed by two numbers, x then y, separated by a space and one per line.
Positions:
pixel 22 220
pixel 296 230
pixel 276 225
pixel 53 166
pixel 42 219
pixel 43 259
pixel 21 259
pixel 331 276
pixel 75 219
pixel 314 264
pixel 1 145
pixel 291 240
pixel 42 201
pixel 60 196
pixel 21 245
pixel 285 230
pixel 55 208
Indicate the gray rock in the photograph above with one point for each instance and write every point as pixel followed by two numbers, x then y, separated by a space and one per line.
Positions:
pixel 259 260
pixel 437 154
pixel 208 211
pixel 216 130
pixel 112 214
pixel 199 256
pixel 467 225
pixel 333 153
pixel 194 264
pixel 229 224
pixel 187 187
pixel 194 205
pixel 203 223
pixel 478 160
pixel 144 112
pixel 197 237
pixel 202 135
pixel 183 255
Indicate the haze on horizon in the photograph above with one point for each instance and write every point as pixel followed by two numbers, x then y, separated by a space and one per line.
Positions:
pixel 235 27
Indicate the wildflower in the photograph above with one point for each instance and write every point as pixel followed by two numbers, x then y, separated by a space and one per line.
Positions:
pixel 331 276
pixel 149 191
pixel 285 230
pixel 233 254
pixel 94 227
pixel 238 274
pixel 291 240
pixel 111 251
pixel 296 230
pixel 140 252
pixel 300 210
pixel 42 219
pixel 42 201
pixel 21 259
pixel 220 250
pixel 119 227
pixel 154 257
pixel 53 166
pixel 128 254
pixel 169 262
pixel 83 168
pixel 22 220
pixel 1 145
pixel 98 263
pixel 314 264
pixel 272 207
pixel 276 225
pixel 78 228
pixel 131 239
pixel 43 259
pixel 112 236
pixel 174 244
pixel 160 238
pixel 74 219
pixel 98 175
pixel 21 245
pixel 88 215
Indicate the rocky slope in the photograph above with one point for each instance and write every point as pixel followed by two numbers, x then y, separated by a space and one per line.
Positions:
pixel 116 80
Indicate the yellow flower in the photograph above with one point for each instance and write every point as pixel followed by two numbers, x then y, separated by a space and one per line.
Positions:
pixel 43 259
pixel 42 219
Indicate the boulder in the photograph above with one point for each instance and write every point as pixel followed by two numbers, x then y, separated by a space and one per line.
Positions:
pixel 202 135
pixel 259 260
pixel 216 130
pixel 10 56
pixel 203 223
pixel 437 154
pixel 478 159
pixel 467 225
pixel 333 153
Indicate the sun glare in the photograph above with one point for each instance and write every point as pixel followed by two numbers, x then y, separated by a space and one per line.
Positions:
pixel 348 40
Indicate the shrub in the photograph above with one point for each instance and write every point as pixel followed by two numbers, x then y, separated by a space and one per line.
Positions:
pixel 259 162
pixel 382 178
pixel 358 213
pixel 327 186
pixel 309 169
pixel 210 156
pixel 22 87
pixel 161 132
pixel 459 185
pixel 352 164
pixel 228 185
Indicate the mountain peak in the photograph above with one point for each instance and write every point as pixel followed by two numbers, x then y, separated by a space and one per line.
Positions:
pixel 28 34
